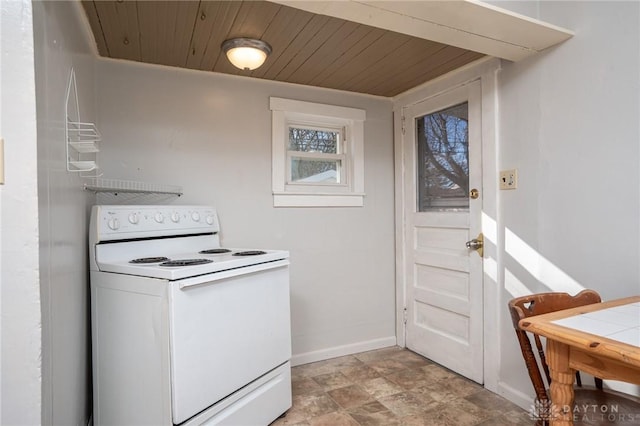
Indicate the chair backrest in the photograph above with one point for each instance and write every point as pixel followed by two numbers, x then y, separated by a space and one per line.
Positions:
pixel 538 304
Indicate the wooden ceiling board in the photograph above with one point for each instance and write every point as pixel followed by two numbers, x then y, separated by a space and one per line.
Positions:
pixel 408 77
pixel 94 22
pixel 323 55
pixel 331 61
pixel 370 36
pixel 202 32
pixel 163 39
pixel 151 38
pixel 185 17
pixel 221 21
pixel 374 53
pixel 307 48
pixel 464 58
pixel 310 49
pixel 301 39
pixel 326 54
pixel 281 33
pixel 253 19
pixel 119 22
pixel 439 64
pixel 409 54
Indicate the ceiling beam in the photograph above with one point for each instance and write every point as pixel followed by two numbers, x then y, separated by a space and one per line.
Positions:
pixel 467 24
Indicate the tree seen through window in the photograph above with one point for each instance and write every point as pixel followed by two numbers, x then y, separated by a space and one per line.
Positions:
pixel 443 159
pixel 310 168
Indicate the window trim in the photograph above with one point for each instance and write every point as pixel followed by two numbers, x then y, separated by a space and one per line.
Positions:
pixel 350 191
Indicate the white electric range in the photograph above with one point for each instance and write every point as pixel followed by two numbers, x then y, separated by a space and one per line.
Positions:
pixel 185 331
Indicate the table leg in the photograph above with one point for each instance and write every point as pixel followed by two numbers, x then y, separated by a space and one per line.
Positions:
pixel 561 383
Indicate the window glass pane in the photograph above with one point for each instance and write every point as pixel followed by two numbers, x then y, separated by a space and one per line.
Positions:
pixel 443 159
pixel 313 140
pixel 315 171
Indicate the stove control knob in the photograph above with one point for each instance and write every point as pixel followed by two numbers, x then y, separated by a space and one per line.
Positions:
pixel 159 217
pixel 113 223
pixel 209 220
pixel 175 217
pixel 134 218
pixel 195 216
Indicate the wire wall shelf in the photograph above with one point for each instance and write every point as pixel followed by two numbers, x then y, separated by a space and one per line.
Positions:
pixel 81 138
pixel 116 186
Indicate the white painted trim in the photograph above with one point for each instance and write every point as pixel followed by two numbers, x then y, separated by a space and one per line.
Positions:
pixel 399 172
pixel 336 351
pixel 522 400
pixel 447 81
pixel 492 273
pixel 318 200
pixel 486 70
pixel 469 24
pixel 350 193
pixel 313 108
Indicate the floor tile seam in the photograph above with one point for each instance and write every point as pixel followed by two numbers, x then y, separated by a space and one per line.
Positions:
pixel 341 411
pixel 360 405
pixel 352 418
pixel 376 398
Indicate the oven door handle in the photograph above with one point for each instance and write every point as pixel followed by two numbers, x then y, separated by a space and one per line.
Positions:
pixel 217 276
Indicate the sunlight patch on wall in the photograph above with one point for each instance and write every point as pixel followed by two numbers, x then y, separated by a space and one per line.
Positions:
pixel 491 269
pixel 489 228
pixel 540 267
pixel 514 286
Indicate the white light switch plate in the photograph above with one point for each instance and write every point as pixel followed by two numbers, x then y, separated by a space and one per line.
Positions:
pixel 509 179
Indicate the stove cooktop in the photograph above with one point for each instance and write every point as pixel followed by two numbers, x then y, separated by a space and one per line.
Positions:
pixel 175 265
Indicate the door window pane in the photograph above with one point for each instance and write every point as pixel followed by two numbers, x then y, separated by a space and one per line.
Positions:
pixel 443 159
pixel 315 171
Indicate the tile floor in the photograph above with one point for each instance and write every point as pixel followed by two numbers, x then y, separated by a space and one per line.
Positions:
pixel 392 386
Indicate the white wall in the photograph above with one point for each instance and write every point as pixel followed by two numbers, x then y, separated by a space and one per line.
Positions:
pixel 61 43
pixel 211 134
pixel 569 124
pixel 20 367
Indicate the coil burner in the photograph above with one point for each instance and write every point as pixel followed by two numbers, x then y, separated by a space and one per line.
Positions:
pixel 186 262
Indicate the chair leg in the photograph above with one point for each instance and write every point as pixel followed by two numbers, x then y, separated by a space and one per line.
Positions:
pixel 598 381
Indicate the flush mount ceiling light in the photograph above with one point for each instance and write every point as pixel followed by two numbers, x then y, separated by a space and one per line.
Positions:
pixel 246 53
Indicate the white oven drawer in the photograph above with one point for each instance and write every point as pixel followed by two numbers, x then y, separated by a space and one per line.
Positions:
pixel 224 333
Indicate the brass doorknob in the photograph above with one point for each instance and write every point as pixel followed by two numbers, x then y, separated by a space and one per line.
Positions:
pixel 477 244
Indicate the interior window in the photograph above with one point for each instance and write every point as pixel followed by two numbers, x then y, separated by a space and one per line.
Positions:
pixel 318 154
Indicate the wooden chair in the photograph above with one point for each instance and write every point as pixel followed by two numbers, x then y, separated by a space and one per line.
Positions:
pixel 543 303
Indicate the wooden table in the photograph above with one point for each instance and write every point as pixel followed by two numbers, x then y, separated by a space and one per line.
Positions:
pixel 601 339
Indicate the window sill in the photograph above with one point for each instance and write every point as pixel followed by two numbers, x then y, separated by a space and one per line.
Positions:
pixel 317 200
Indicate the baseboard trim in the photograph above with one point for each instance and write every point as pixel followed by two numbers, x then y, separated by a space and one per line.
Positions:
pixel 336 351
pixel 519 398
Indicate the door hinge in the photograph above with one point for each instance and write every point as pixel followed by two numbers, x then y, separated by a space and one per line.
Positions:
pixel 403 121
pixel 404 316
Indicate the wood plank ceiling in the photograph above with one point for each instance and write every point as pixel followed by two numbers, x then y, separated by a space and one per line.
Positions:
pixel 308 48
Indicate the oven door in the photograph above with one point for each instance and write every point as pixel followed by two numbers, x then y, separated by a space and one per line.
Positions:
pixel 227 329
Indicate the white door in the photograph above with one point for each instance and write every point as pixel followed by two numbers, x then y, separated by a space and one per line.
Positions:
pixel 442 211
